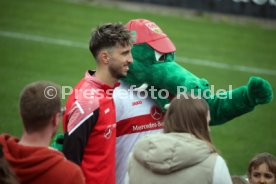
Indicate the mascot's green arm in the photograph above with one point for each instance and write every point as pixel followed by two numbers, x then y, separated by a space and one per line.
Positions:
pixel 239 101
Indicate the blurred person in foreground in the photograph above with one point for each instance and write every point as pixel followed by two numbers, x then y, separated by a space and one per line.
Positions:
pixel 7 175
pixel 262 169
pixel 239 180
pixel 184 153
pixel 89 121
pixel 30 157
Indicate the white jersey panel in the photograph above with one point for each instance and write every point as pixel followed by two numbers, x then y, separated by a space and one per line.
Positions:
pixel 136 116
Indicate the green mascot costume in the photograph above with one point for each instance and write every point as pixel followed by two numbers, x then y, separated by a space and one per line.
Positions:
pixel 154 72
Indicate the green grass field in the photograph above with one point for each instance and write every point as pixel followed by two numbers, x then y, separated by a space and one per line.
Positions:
pixel 31 34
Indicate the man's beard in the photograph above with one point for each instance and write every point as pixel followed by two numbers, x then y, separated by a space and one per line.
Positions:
pixel 115 73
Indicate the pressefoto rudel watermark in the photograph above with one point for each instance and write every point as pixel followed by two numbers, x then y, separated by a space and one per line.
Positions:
pixel 50 92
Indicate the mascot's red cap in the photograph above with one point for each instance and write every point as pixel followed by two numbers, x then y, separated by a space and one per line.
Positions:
pixel 145 31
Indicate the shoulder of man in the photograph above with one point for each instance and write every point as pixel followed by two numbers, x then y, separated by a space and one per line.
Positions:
pixel 71 172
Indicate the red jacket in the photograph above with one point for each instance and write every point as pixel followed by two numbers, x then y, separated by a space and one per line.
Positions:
pixel 90 129
pixel 37 165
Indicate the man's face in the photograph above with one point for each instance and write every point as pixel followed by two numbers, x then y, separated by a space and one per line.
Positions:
pixel 262 175
pixel 120 59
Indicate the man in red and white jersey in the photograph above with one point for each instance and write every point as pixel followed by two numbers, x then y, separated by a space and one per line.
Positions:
pixel 89 121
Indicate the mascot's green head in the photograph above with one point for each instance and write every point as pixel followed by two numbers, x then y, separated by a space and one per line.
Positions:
pixel 154 65
pixel 154 68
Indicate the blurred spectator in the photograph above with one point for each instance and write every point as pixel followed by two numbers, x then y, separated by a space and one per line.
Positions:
pixel 238 180
pixel 30 157
pixel 262 169
pixel 184 153
pixel 7 176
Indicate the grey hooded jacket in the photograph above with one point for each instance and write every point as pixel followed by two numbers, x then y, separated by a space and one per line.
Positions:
pixel 171 159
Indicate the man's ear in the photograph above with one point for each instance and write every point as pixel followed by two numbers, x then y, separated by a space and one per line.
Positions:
pixel 104 56
pixel 55 119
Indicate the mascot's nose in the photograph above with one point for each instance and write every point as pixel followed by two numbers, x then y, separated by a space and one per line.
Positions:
pixel 204 83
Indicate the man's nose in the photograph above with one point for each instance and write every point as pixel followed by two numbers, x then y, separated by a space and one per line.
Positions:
pixel 130 59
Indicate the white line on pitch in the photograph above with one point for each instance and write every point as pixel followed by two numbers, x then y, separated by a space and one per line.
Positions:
pixel 192 61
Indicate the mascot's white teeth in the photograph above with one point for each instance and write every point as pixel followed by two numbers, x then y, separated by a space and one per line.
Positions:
pixel 167 106
pixel 143 87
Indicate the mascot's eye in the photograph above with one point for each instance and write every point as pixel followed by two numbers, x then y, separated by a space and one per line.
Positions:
pixel 160 57
pixel 204 82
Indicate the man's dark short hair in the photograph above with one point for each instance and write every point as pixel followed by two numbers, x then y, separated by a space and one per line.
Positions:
pixel 39 102
pixel 107 36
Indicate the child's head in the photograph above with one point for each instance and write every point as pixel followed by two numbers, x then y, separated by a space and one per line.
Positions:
pixel 262 168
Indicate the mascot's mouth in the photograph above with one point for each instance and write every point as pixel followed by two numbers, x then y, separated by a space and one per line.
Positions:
pixel 170 96
pixel 165 93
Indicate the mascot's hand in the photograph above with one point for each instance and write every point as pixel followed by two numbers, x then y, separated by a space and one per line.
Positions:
pixel 259 91
pixel 58 142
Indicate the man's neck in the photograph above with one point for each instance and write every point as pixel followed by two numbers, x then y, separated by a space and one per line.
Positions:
pixel 105 77
pixel 38 139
